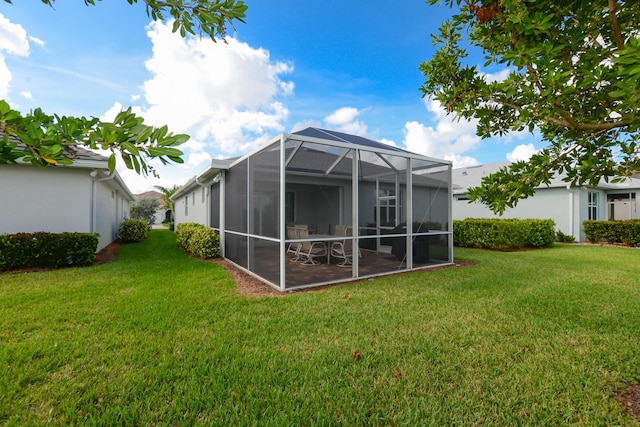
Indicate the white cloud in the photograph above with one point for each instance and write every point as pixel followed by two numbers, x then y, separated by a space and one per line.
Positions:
pixel 37 41
pixel 5 78
pixel 447 140
pixel 13 41
pixel 388 142
pixel 522 152
pixel 26 94
pixel 13 38
pixel 224 95
pixel 344 120
pixel 497 76
pixel 305 124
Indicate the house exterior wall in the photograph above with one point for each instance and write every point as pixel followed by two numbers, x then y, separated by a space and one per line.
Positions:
pixel 59 200
pixel 44 200
pixel 192 207
pixel 564 206
pixel 111 208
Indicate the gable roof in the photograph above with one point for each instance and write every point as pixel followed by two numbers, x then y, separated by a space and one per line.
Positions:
pixel 471 176
pixel 83 158
pixel 78 154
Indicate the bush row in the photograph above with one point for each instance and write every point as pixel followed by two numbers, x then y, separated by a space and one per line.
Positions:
pixel 198 239
pixel 503 234
pixel 133 230
pixel 47 250
pixel 626 232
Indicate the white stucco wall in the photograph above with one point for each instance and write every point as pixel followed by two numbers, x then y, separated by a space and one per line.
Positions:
pixel 59 200
pixel 192 207
pixel 35 199
pixel 548 203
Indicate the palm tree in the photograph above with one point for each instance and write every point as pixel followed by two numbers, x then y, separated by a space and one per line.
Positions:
pixel 166 196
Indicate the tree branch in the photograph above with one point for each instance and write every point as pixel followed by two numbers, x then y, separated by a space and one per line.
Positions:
pixel 615 24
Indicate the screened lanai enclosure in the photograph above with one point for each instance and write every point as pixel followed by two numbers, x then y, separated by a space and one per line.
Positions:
pixel 317 207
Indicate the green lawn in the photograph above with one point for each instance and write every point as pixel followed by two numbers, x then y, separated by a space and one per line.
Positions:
pixel 541 337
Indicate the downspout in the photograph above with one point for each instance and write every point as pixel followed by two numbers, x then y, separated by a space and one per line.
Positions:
pixel 571 220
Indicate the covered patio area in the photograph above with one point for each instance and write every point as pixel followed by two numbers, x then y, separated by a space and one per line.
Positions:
pixel 337 204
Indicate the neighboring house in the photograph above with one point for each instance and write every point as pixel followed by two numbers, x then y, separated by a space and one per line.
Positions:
pixel 163 213
pixel 351 191
pixel 568 206
pixel 82 197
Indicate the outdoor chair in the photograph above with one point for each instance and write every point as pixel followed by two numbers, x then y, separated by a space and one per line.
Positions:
pixel 294 247
pixel 310 250
pixel 339 230
pixel 344 249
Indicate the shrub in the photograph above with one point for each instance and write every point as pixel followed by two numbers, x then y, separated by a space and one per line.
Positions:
pixel 184 231
pixel 47 250
pixel 204 243
pixel 133 230
pixel 198 239
pixel 503 234
pixel 627 232
pixel 564 238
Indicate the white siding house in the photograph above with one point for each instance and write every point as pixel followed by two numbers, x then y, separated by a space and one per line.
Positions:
pixel 568 206
pixel 191 201
pixel 83 197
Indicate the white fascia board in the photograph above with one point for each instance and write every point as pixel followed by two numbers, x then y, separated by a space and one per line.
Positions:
pixel 184 189
pixel 123 186
pixel 197 181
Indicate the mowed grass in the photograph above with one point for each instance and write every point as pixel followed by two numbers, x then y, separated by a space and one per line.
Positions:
pixel 543 337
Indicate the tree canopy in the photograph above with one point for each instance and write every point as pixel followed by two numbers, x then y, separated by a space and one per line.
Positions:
pixel 45 140
pixel 574 75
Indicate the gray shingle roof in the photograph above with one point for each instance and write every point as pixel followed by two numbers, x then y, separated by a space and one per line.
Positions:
pixel 75 153
pixel 471 176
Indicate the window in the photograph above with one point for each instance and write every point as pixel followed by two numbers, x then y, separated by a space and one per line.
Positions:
pixel 186 206
pixel 388 202
pixel 592 205
pixel 621 206
pixel 193 198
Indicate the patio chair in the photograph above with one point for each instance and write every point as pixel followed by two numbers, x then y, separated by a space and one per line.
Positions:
pixel 339 230
pixel 310 250
pixel 343 249
pixel 294 247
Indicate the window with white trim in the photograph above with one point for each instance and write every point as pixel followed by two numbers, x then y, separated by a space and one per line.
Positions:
pixel 592 205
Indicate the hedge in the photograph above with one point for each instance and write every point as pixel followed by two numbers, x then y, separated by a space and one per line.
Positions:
pixel 133 230
pixel 198 239
pixel 503 234
pixel 47 250
pixel 625 232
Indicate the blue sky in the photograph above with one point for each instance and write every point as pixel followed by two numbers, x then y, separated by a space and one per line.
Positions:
pixel 332 64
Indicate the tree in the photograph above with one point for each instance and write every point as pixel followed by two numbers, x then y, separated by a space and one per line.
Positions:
pixel 167 192
pixel 144 209
pixel 574 75
pixel 45 140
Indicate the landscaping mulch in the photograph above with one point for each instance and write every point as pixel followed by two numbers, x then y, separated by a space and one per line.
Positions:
pixel 630 399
